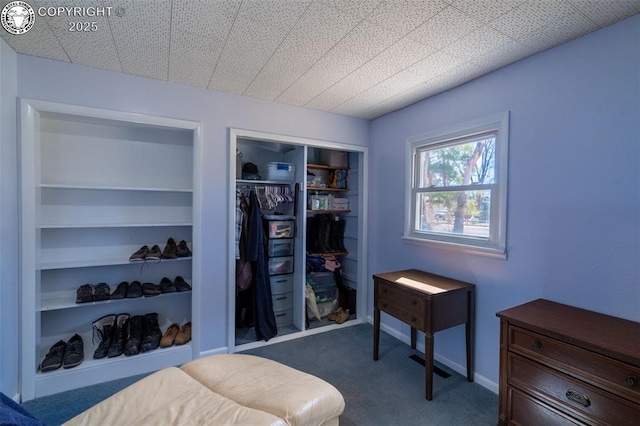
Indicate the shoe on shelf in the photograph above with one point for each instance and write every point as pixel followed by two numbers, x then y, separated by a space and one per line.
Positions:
pixel 134 342
pixel 342 317
pixel 169 336
pixel 333 315
pixel 166 286
pixel 120 335
pixel 154 253
pixel 103 330
pixel 170 250
pixel 151 333
pixel 121 290
pixel 141 254
pixel 74 352
pixel 150 289
pixel 84 293
pixel 53 359
pixel 135 290
pixel 184 335
pixel 181 284
pixel 101 292
pixel 183 249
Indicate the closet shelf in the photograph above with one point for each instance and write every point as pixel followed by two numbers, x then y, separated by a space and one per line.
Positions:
pixel 317 188
pixel 323 167
pixel 113 188
pixel 66 300
pixel 328 211
pixel 261 182
pixel 85 263
pixel 113 225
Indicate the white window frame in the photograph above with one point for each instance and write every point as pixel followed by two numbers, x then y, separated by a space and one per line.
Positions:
pixel 495 246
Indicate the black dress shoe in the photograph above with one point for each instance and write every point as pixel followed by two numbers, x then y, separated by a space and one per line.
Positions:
pixel 135 290
pixel 170 250
pixel 84 293
pixel 134 342
pixel 139 255
pixel 151 333
pixel 120 336
pixel 166 286
pixel 154 253
pixel 101 292
pixel 104 329
pixel 181 284
pixel 74 352
pixel 150 289
pixel 183 249
pixel 53 359
pixel 121 291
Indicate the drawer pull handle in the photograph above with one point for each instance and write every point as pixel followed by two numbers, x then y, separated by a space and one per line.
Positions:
pixel 536 345
pixel 631 380
pixel 577 397
pixel 281 298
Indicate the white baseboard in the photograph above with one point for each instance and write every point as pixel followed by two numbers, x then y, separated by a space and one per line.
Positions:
pixel 477 378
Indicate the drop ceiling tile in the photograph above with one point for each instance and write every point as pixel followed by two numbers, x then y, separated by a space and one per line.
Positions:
pixel 247 50
pixel 142 38
pixel 404 16
pixel 531 16
pixel 274 13
pixel 354 50
pixel 38 41
pixel 445 28
pixel 478 43
pixel 606 12
pixel 562 30
pixel 196 44
pixel 397 57
pixel 358 8
pixel 314 35
pixel 486 10
pixel 84 44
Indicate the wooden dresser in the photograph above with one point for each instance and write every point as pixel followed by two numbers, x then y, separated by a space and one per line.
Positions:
pixel 564 365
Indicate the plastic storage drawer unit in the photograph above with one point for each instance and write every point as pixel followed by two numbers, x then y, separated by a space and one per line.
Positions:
pixel 282 302
pixel 280 228
pixel 280 265
pixel 281 284
pixel 281 247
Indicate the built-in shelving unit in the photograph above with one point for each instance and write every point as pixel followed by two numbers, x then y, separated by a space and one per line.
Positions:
pixel 96 186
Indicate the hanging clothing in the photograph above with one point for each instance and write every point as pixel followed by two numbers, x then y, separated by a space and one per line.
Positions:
pixel 264 318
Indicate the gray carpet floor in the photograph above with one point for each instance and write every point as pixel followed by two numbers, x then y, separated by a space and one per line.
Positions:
pixel 389 391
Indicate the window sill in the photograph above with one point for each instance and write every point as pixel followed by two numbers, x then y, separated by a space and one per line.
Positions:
pixel 494 253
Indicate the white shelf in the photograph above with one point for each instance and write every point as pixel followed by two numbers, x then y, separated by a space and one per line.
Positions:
pixel 113 188
pixel 67 300
pixel 103 262
pixel 112 225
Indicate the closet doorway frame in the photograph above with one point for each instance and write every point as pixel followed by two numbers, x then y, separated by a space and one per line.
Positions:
pixel 362 268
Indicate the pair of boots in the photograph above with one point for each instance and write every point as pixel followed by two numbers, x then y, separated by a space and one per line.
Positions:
pixel 121 333
pixel 325 234
pixel 339 316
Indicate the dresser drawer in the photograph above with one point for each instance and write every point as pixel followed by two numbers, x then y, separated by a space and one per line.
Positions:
pixel 615 376
pixel 569 395
pixel 527 411
pixel 282 302
pixel 401 303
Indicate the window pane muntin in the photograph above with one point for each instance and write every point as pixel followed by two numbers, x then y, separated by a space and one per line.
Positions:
pixel 444 164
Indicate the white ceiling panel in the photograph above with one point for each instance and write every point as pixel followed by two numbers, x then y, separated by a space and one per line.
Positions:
pixel 445 28
pixel 83 42
pixel 142 38
pixel 397 57
pixel 321 27
pixel 362 58
pixel 196 44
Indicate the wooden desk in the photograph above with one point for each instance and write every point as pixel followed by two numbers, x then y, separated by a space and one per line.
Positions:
pixel 428 303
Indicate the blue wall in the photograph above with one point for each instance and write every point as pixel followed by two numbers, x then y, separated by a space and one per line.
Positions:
pixel 573 232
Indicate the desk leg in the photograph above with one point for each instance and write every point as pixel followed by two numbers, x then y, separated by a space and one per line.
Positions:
pixel 470 332
pixel 376 333
pixel 413 338
pixel 428 365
